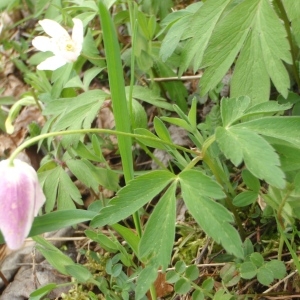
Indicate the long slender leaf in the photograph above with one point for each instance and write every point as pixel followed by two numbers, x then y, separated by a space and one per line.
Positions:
pixel 117 88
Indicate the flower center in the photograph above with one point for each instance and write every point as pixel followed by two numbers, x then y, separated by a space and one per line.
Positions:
pixel 65 43
pixel 70 46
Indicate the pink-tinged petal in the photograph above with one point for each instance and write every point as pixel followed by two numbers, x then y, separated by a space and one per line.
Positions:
pixel 77 33
pixel 18 198
pixel 40 198
pixel 52 63
pixel 42 43
pixel 53 28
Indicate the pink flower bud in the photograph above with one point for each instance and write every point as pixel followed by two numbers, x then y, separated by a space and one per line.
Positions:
pixel 21 198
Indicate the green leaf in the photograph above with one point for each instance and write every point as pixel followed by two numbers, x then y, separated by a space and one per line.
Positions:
pixel 144 281
pixel 158 238
pixel 248 270
pixel 86 152
pixel 248 248
pixel 192 272
pixel 264 55
pixel 161 130
pixel 208 284
pixel 180 266
pixel 43 291
pixel 192 115
pixel 276 127
pixel 153 142
pixel 59 187
pixel 172 276
pixel 129 236
pixel 49 181
pixel 54 256
pixel 67 191
pixel 139 115
pixel 182 286
pixel 213 218
pixel 265 276
pixel 232 109
pixel 250 75
pixel 198 295
pixel 90 50
pixel 116 270
pixel 220 54
pixel 289 157
pixel 251 181
pixel 79 272
pixel 178 122
pixel 59 219
pixel 260 157
pixel 269 107
pixel 83 173
pixel 89 75
pixel 201 28
pixel 204 184
pixel 5 4
pixel 220 295
pixel 149 96
pixel 230 275
pixel 129 199
pixel 257 259
pixel 74 82
pixel 277 267
pixel 104 241
pixel 178 22
pixel 245 198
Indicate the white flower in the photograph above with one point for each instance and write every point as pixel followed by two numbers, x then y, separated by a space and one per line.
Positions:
pixel 66 49
pixel 21 198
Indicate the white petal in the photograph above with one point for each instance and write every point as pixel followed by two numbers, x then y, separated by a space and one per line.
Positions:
pixel 69 56
pixel 77 33
pixel 53 28
pixel 52 63
pixel 42 43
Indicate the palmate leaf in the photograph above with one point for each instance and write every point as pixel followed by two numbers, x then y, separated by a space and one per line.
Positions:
pixel 59 188
pixel 250 74
pixel 260 158
pixel 233 109
pixel 157 240
pixel 202 25
pixel 179 21
pixel 219 31
pixel 263 52
pixel 225 43
pixel 259 33
pixel 73 113
pixel 282 128
pixel 197 191
pixel 133 196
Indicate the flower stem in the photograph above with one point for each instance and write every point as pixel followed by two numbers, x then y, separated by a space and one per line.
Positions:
pixel 38 138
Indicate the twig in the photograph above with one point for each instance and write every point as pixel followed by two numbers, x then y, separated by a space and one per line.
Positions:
pixel 5 281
